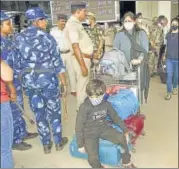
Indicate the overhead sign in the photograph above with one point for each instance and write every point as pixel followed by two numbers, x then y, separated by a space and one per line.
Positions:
pixel 106 11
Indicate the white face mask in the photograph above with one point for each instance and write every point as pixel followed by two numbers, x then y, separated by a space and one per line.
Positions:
pixel 96 100
pixel 87 21
pixel 129 25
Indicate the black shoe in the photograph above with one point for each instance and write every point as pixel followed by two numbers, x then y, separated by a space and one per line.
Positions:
pixel 30 136
pixel 61 145
pixel 47 148
pixel 21 146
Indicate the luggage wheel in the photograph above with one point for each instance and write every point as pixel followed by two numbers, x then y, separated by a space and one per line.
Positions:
pixel 143 133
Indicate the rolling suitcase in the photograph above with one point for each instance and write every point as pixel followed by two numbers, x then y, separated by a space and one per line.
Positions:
pixel 109 153
pixel 135 124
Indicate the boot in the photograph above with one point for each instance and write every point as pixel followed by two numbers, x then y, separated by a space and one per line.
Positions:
pixel 21 146
pixel 61 145
pixel 47 148
pixel 30 136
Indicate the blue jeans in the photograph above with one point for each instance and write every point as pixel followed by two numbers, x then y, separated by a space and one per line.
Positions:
pixel 6 136
pixel 172 74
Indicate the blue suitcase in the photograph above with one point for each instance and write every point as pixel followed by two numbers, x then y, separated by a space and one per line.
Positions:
pixel 109 153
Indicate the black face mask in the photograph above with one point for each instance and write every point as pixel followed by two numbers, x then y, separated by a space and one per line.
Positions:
pixel 174 28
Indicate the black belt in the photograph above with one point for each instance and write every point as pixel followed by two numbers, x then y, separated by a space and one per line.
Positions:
pixel 108 45
pixel 65 52
pixel 36 70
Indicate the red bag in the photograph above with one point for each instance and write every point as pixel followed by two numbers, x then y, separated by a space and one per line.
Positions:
pixel 114 89
pixel 135 124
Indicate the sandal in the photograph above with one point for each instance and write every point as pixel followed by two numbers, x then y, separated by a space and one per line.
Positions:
pixel 168 96
pixel 175 91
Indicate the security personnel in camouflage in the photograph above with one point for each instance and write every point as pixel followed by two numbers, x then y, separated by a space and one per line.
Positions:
pixel 9 54
pixel 41 64
pixel 156 40
pixel 141 24
pixel 109 36
pixel 96 33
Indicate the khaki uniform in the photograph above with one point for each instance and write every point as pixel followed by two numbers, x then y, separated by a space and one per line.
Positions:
pixel 75 33
pixel 156 40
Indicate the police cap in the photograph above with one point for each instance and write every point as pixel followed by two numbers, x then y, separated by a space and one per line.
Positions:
pixel 4 16
pixel 76 6
pixel 35 13
pixel 61 16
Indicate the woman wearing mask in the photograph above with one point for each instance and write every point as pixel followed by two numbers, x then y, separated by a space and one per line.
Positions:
pixel 134 42
pixel 172 59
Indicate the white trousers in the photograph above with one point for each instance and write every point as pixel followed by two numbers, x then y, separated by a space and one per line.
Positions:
pixel 68 61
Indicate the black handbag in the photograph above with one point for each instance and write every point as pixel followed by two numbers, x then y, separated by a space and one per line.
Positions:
pixel 162 72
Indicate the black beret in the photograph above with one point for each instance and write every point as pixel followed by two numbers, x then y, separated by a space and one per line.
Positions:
pixel 61 16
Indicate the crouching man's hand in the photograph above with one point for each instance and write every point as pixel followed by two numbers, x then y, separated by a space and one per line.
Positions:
pixel 82 150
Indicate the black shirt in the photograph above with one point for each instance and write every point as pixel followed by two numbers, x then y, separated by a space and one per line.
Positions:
pixel 172 46
pixel 92 117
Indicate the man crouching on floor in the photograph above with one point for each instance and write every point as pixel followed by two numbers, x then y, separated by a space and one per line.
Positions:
pixel 91 125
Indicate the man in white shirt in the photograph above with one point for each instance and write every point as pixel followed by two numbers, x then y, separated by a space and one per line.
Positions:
pixel 58 34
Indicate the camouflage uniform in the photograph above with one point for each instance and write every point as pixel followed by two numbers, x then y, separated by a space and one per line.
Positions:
pixel 96 34
pixel 156 40
pixel 145 27
pixel 109 36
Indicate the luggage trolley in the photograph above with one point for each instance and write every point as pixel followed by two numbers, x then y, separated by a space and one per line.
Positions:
pixel 131 79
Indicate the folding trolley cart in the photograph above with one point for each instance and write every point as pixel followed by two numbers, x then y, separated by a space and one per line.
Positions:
pixel 130 80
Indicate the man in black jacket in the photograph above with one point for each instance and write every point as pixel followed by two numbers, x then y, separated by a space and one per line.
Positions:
pixel 91 125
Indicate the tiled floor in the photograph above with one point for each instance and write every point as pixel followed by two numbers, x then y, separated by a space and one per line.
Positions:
pixel 158 149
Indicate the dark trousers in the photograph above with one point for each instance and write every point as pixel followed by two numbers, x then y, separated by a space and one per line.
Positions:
pixel 106 133
pixel 162 51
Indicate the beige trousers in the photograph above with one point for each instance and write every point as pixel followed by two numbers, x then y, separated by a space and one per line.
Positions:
pixel 108 48
pixel 67 60
pixel 81 80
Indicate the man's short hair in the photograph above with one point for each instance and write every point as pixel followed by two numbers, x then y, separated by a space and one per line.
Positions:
pixel 77 6
pixel 95 87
